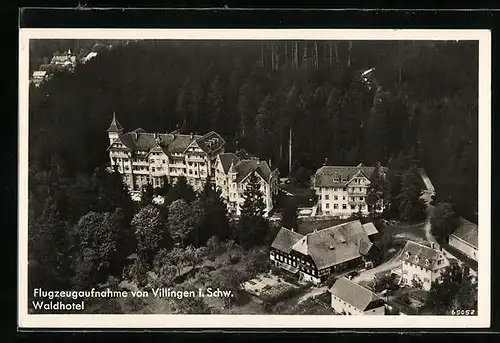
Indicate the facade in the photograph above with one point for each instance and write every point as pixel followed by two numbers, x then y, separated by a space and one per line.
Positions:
pixel 350 298
pixel 420 265
pixel 144 158
pixel 232 172
pixel 63 61
pixel 465 239
pixel 315 256
pixel 342 190
pixel 38 77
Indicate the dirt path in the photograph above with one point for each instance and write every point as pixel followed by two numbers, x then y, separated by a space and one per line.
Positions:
pixel 314 292
pixel 386 266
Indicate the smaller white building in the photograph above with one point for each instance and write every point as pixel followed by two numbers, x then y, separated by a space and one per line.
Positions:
pixel 343 190
pixel 232 173
pixel 350 298
pixel 421 265
pixel 465 239
pixel 38 77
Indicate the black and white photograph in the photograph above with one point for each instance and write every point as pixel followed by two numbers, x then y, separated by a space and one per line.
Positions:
pixel 288 181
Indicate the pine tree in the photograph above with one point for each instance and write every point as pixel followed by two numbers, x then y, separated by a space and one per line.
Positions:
pixel 411 207
pixel 49 244
pixel 147 194
pixel 252 225
pixel 290 216
pixel 377 197
pixel 215 221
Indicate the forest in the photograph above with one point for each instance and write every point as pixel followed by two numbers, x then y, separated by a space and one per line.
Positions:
pixel 422 96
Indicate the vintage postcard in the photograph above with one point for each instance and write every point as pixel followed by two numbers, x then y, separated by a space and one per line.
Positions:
pixel 254 178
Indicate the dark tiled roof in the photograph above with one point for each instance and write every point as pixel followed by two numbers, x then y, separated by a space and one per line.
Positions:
pixel 210 142
pixel 245 167
pixel 353 293
pixel 419 253
pixel 337 244
pixel 466 231
pixel 285 239
pixel 331 246
pixel 115 125
pixel 226 159
pixel 325 175
pixel 370 229
pixel 174 142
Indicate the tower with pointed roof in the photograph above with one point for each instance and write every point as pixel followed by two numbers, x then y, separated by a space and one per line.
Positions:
pixel 114 130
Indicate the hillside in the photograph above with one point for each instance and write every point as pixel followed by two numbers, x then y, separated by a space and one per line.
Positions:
pixel 426 102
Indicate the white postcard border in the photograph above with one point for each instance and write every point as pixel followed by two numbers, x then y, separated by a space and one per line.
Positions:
pixel 75 321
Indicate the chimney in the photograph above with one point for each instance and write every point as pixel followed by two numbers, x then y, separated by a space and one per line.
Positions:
pixel 270 163
pixel 136 135
pixel 191 135
pixel 432 245
pixel 293 230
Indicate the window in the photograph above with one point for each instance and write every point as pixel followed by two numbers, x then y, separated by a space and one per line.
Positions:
pixel 362 207
pixel 353 207
pixel 153 169
pixel 327 205
pixel 344 206
pixel 336 206
pixel 335 197
pixel 345 189
pixel 327 197
pixel 163 161
pixel 361 198
pixel 343 198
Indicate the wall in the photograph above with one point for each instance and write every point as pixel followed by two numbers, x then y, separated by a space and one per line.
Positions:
pixel 378 311
pixel 345 197
pixel 340 305
pixel 463 247
pixel 408 270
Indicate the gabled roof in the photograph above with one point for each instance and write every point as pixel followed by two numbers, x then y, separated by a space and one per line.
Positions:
pixel 466 231
pixel 417 254
pixel 246 167
pixel 370 229
pixel 330 246
pixel 115 125
pixel 285 239
pixel 226 159
pixel 354 294
pixel 337 244
pixel 326 175
pixel 210 142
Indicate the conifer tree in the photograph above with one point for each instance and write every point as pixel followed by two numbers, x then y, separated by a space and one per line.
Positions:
pixel 252 225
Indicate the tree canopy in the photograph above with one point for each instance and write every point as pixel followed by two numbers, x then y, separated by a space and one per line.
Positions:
pixel 244 91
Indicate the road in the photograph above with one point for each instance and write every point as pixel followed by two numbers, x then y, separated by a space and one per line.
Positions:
pixel 312 293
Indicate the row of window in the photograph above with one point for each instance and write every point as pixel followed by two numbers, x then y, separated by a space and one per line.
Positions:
pixel 344 206
pixel 335 197
pixel 415 277
pixel 413 265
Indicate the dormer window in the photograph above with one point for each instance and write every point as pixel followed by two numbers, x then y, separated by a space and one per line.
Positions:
pixel 427 262
pixel 407 255
pixel 417 259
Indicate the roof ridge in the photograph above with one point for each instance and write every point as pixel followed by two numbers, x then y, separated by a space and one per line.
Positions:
pixel 422 245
